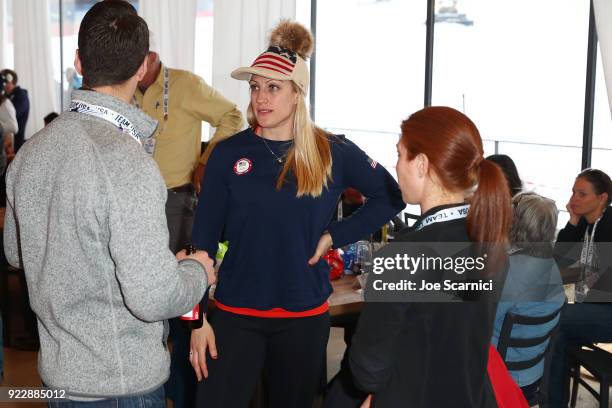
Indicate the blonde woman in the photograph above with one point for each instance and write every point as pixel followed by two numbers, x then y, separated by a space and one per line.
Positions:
pixel 271 191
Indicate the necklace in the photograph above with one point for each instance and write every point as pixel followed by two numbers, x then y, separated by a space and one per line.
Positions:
pixel 278 159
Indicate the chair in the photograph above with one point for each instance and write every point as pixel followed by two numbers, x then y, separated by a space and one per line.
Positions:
pixel 596 361
pixel 506 342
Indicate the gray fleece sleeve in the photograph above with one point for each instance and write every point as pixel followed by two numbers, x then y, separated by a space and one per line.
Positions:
pixel 154 285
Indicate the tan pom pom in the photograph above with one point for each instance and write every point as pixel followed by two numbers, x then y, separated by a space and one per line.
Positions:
pixel 294 36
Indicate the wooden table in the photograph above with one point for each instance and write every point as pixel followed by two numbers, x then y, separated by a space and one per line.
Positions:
pixel 347 297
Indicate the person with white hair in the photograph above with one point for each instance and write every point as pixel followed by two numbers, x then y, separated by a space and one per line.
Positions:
pixel 533 286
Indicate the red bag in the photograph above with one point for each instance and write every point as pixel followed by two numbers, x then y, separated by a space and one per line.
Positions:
pixel 507 393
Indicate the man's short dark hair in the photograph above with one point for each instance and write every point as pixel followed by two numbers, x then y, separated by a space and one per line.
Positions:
pixel 113 43
pixel 9 75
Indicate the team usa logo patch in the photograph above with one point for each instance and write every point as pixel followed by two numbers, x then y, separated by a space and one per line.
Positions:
pixel 242 166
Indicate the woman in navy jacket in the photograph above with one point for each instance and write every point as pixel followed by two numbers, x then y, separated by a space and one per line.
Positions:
pixel 272 191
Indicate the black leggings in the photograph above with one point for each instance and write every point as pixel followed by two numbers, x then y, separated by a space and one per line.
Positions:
pixel 292 351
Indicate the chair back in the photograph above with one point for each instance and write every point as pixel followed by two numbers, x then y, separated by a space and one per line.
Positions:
pixel 506 341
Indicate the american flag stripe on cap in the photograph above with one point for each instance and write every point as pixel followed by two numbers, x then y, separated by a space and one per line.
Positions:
pixel 275 63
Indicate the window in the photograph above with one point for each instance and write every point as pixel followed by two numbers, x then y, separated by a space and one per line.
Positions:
pixel 9 60
pixel 517 69
pixel 370 70
pixel 203 58
pixel 204 40
pixel 602 124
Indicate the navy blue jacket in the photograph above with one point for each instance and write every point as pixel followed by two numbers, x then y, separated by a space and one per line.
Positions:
pixel 272 233
pixel 19 98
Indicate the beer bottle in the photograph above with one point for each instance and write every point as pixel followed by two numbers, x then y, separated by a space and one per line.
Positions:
pixel 193 318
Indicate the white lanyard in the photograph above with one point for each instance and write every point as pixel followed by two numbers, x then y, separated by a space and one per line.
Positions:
pixel 586 256
pixel 446 214
pixel 165 94
pixel 149 143
pixel 120 121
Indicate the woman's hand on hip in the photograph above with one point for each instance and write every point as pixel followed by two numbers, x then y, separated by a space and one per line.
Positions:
pixel 325 243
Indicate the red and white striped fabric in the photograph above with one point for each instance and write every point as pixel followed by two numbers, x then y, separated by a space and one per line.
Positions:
pixel 275 62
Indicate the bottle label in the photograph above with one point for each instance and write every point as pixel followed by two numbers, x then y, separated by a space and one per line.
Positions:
pixel 193 314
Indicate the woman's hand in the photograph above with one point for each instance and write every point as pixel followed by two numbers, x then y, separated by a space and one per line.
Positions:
pixel 367 402
pixel 325 243
pixel 202 339
pixel 574 218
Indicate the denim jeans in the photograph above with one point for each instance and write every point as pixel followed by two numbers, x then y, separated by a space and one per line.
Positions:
pixel 154 399
pixel 581 323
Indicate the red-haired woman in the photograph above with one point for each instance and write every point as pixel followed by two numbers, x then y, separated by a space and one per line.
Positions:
pixel 424 354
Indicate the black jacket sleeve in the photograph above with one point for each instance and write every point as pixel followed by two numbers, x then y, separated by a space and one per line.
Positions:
pixel 384 199
pixel 373 348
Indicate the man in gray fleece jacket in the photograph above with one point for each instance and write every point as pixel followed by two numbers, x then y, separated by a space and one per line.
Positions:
pixel 85 219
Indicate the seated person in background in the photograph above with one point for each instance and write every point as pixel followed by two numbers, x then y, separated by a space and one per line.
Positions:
pixel 510 171
pixel 533 284
pixel 585 243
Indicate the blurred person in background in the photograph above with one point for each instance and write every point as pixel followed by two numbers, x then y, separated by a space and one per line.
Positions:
pixel 19 97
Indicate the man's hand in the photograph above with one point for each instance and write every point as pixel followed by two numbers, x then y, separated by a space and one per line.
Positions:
pixel 196 178
pixel 203 258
